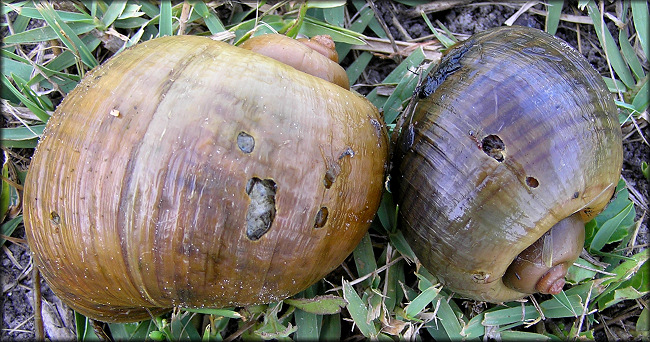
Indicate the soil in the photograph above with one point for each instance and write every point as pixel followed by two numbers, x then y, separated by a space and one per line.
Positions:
pixel 16 270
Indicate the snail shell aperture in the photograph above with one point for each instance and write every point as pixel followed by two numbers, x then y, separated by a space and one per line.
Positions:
pixel 513 133
pixel 188 172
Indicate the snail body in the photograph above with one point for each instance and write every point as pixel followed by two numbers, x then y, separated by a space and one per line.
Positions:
pixel 188 172
pixel 513 133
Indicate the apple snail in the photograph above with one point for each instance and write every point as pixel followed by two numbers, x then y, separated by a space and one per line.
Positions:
pixel 192 173
pixel 512 144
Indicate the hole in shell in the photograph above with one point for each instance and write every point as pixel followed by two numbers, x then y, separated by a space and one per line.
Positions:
pixel 55 218
pixel 480 277
pixel 330 175
pixel 532 182
pixel 334 168
pixel 377 126
pixel 321 217
pixel 576 195
pixel 348 152
pixel 245 142
pixel 494 147
pixel 261 210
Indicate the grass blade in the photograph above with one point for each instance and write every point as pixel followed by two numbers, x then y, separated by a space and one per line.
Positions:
pixel 320 305
pixel 449 320
pixel 21 133
pixel 629 55
pixel 10 66
pixel 165 21
pixel 8 227
pixel 474 329
pixel 66 34
pixel 308 327
pixel 641 21
pixel 331 328
pixel 132 331
pixel 398 241
pixel 364 258
pixel 85 330
pixel 446 41
pixel 421 301
pixel 42 115
pixel 311 27
pixel 114 10
pixel 571 306
pixel 215 312
pixel 33 13
pixel 611 50
pixel 358 66
pixel 214 24
pixel 553 17
pixel 523 336
pixel 394 294
pixel 401 75
pixel 365 17
pixel 405 88
pixel 335 15
pixel 608 228
pixel 45 33
pixel 642 98
pixel 623 272
pixel 358 311
pixel 551 308
pixel 5 193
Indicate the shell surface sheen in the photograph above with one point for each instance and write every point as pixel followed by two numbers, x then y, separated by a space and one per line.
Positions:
pixel 143 189
pixel 513 132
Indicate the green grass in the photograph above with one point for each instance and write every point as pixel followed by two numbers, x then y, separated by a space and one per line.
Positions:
pixel 386 294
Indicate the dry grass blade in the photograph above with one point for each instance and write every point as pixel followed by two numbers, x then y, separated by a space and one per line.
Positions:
pixel 435 6
pixel 38 305
pixel 384 48
pixel 375 272
pixel 521 11
pixel 570 18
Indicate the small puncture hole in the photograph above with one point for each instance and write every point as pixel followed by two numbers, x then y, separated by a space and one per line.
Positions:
pixel 245 142
pixel 494 147
pixel 321 217
pixel 55 218
pixel 334 168
pixel 576 195
pixel 261 210
pixel 480 277
pixel 330 175
pixel 532 182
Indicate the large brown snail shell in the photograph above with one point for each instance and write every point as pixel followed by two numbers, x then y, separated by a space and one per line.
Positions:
pixel 188 172
pixel 511 134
